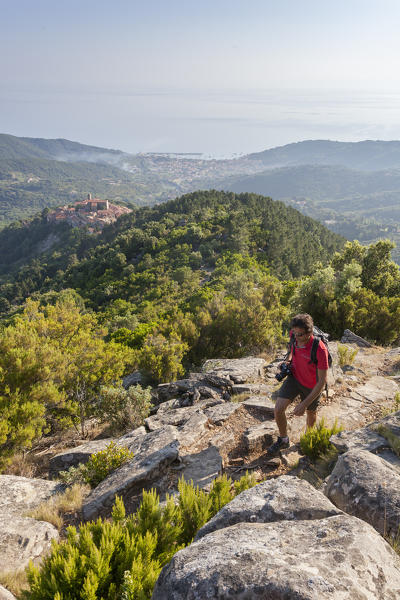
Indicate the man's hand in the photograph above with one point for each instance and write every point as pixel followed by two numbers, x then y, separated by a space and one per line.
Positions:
pixel 299 410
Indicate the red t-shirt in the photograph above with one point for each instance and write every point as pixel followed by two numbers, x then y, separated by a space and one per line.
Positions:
pixel 303 369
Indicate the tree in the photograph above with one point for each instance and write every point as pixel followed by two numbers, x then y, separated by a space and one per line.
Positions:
pixel 53 361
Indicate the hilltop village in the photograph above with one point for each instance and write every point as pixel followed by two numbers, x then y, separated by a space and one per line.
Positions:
pixel 92 213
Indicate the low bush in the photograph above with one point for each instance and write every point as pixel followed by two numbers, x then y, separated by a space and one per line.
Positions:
pixel 98 467
pixel 122 558
pixel 346 355
pixel 315 441
pixel 124 409
pixel 392 439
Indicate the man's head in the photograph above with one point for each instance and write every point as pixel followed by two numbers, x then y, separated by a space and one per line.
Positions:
pixel 302 326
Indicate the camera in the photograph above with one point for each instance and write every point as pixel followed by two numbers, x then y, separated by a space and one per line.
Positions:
pixel 285 369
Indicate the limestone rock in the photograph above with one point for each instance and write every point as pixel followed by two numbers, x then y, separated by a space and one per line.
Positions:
pixel 253 389
pixel 339 557
pixel 158 450
pixel 366 486
pixel 285 498
pixel 351 338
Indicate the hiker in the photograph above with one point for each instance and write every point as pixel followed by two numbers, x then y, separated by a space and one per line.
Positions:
pixel 306 378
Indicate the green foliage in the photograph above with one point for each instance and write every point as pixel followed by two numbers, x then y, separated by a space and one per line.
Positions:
pixel 359 291
pixel 122 558
pixel 53 362
pixel 124 409
pixel 161 357
pixel 98 467
pixel 392 438
pixel 346 355
pixel 315 441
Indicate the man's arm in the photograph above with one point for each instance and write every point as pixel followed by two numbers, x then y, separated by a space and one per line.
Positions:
pixel 322 376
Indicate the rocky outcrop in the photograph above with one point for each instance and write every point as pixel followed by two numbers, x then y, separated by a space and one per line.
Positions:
pixel 23 538
pixel 81 454
pixel 158 450
pixel 5 594
pixel 283 499
pixel 351 338
pixel 336 557
pixel 367 486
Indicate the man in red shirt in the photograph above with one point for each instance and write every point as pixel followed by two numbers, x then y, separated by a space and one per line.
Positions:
pixel 306 380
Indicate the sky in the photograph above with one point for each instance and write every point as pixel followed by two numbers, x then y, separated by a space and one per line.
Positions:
pixel 221 77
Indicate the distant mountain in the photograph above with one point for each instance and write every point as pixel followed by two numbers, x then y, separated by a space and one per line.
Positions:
pixel 12 147
pixel 368 155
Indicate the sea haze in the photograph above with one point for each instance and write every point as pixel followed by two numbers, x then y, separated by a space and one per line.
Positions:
pixel 216 124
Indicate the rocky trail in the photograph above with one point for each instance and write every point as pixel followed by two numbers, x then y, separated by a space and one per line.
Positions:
pixel 221 421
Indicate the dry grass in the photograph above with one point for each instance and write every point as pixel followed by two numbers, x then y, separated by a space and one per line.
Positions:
pixel 240 397
pixel 53 510
pixel 15 582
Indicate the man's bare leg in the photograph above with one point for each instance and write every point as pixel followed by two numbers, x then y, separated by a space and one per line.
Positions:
pixel 311 418
pixel 281 405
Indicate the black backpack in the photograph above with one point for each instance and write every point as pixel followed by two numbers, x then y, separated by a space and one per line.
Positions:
pixel 319 336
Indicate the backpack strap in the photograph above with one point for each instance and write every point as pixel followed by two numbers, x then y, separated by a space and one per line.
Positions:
pixel 314 360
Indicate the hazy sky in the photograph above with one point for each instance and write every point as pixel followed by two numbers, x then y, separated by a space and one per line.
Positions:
pixel 220 77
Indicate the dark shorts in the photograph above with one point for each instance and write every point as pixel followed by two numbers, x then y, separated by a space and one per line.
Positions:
pixel 291 388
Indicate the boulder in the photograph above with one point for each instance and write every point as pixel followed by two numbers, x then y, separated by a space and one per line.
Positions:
pixel 367 486
pixel 23 538
pixel 338 557
pixel 367 438
pixel 238 370
pixel 5 594
pixel 286 498
pixel 253 389
pixel 157 451
pixel 349 337
pixel 21 494
pixel 221 412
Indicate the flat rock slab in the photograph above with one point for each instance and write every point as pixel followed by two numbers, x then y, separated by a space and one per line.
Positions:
pixel 238 370
pixel 337 558
pixel 283 499
pixel 253 389
pixel 193 429
pixel 23 539
pixel 217 415
pixel 20 494
pixel 81 454
pixel 261 403
pixel 367 438
pixel 157 451
pixel 202 468
pixel 366 486
pixel 378 390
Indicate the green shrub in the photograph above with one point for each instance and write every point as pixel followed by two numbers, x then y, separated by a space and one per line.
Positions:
pixel 392 438
pixel 124 409
pixel 315 442
pixel 346 355
pixel 121 559
pixel 98 467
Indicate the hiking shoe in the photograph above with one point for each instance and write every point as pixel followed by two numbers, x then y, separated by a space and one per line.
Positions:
pixel 277 446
